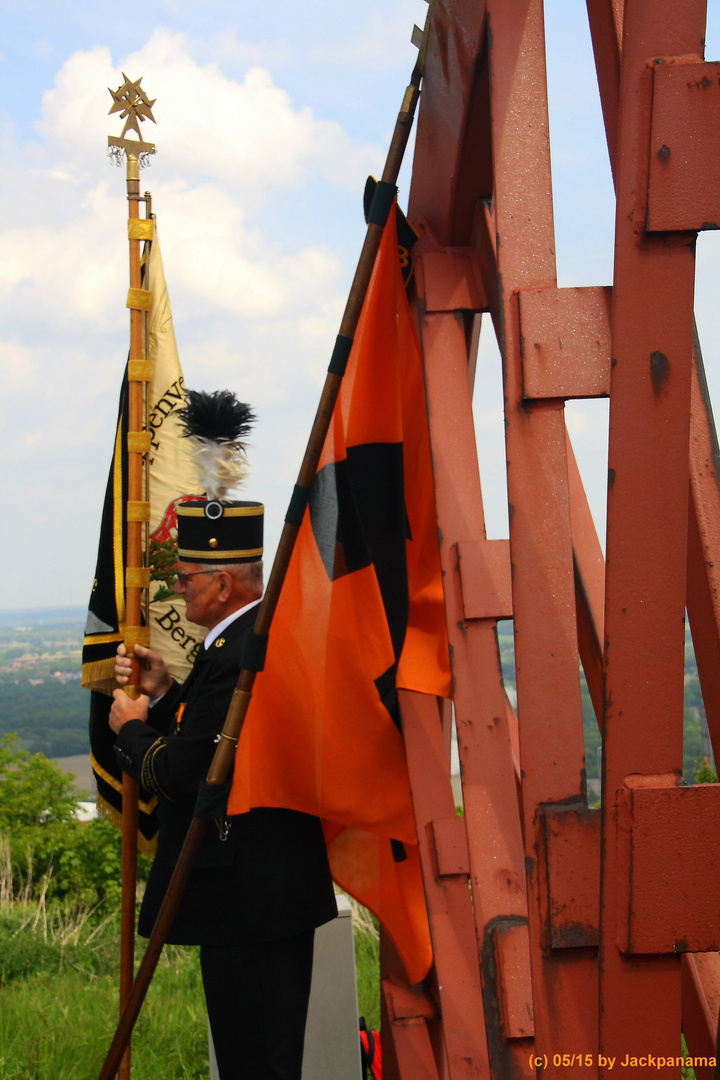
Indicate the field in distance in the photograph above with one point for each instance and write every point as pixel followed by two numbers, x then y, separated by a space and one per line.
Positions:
pixel 41 698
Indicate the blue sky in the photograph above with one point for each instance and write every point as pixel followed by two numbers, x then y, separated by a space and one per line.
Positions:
pixel 269 117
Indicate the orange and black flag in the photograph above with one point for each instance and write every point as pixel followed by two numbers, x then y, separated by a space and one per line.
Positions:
pixel 360 614
pixel 172 475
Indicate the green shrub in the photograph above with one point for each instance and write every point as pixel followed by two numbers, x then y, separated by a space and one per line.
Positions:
pixel 704 773
pixel 71 861
pixel 33 790
pixel 46 850
pixel 88 864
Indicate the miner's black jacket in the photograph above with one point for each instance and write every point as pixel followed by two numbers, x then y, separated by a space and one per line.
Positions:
pixel 269 879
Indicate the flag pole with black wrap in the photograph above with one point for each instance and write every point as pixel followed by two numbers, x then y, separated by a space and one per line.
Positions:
pixel 212 798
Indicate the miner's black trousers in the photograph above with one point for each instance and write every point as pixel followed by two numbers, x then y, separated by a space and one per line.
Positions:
pixel 257 999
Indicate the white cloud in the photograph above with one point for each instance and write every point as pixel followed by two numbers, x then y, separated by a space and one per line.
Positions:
pixel 244 134
pixel 256 295
pixel 247 136
pixel 74 112
pixel 67 272
pixel 218 261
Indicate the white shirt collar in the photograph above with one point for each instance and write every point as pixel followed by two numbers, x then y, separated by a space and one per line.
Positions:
pixel 219 627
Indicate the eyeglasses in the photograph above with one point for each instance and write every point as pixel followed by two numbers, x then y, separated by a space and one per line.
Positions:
pixel 183 578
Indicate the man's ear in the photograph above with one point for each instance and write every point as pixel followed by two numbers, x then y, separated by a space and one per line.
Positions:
pixel 225 584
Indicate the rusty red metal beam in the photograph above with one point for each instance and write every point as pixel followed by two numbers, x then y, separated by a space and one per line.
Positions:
pixel 684 146
pixel 700 1009
pixel 406 1042
pixel 477 593
pixel 479 281
pixel 486 220
pixel 452 98
pixel 703 574
pixel 546 647
pixel 477 586
pixel 671 904
pixel 606 19
pixel 445 862
pixel 565 342
pixel 699 1024
pixel 589 563
pixel 647 530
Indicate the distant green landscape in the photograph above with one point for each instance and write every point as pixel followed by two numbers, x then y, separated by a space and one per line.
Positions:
pixel 694 710
pixel 41 698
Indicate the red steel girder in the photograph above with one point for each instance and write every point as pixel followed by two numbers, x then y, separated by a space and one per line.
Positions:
pixel 671 896
pixel 647 527
pixel 477 592
pixel 563 999
pixel 684 146
pixel 699 1023
pixel 443 851
pixel 546 648
pixel 565 342
pixel 407 1046
pixel 700 1009
pixel 481 195
pixel 703 580
pixel 453 122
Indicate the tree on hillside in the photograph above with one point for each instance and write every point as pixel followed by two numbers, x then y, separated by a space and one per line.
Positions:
pixel 50 851
pixel 33 790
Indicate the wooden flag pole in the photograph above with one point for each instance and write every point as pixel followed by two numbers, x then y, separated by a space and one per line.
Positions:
pixel 133 602
pixel 383 203
pixel 134 104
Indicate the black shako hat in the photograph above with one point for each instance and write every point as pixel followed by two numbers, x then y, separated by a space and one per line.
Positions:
pixel 213 531
pixel 218 530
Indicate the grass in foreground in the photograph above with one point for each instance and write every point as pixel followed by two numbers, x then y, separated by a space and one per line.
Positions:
pixel 367 965
pixel 58 997
pixel 58 1006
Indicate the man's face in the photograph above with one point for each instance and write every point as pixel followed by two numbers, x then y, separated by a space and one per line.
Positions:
pixel 197 583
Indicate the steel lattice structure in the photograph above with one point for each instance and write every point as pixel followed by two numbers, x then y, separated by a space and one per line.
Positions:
pixel 583 932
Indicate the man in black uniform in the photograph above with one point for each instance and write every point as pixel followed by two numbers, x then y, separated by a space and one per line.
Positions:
pixel 261 883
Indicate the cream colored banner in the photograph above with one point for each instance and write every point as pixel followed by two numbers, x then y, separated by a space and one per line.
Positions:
pixel 172 477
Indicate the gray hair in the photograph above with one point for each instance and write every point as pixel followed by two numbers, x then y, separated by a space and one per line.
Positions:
pixel 249 574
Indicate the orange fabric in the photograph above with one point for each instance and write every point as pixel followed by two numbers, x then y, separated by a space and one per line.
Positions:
pixel 317 737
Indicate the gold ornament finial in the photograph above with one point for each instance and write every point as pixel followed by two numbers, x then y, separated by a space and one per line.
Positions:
pixel 134 106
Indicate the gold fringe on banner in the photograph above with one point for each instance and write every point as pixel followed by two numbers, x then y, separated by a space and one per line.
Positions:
pixel 138 511
pixel 139 299
pixel 101 673
pixel 139 370
pixel 138 442
pixel 105 810
pixel 140 228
